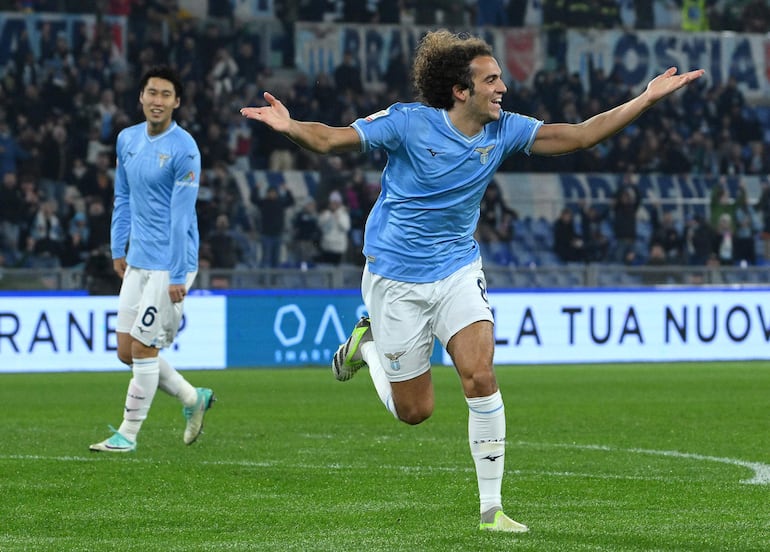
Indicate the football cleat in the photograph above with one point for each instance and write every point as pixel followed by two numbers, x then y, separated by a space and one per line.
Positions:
pixel 194 414
pixel 501 522
pixel 348 359
pixel 115 443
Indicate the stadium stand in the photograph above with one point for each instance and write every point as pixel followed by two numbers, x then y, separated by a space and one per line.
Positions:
pixel 67 90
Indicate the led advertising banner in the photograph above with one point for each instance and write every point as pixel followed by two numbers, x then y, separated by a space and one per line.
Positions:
pixel 289 327
pixel 77 333
pixel 631 325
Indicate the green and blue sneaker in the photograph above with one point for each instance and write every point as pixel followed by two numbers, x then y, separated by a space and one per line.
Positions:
pixel 116 443
pixel 194 414
pixel 348 359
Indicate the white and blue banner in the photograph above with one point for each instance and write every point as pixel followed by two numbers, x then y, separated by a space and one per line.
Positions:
pixel 62 332
pixel 640 325
pixel 319 48
pixel 253 328
pixel 642 55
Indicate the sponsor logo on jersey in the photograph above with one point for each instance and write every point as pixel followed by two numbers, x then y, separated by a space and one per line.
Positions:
pixel 377 115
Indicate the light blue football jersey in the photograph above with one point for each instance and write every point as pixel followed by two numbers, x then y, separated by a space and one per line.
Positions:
pixel 156 186
pixel 421 227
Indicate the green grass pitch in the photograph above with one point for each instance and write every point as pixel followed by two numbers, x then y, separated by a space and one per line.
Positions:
pixel 599 457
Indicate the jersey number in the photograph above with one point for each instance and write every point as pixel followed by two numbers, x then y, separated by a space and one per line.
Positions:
pixel 149 316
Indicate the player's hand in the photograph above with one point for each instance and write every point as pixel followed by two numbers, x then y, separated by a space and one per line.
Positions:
pixel 668 82
pixel 119 266
pixel 176 292
pixel 275 115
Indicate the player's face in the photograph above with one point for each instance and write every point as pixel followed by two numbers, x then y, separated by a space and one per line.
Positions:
pixel 488 89
pixel 159 100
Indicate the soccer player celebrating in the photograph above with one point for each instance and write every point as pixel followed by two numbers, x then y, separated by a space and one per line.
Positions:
pixel 156 186
pixel 423 276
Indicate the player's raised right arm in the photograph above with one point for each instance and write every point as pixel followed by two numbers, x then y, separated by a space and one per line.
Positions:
pixel 312 136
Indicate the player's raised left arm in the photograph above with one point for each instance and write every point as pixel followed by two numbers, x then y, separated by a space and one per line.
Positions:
pixel 313 136
pixel 559 138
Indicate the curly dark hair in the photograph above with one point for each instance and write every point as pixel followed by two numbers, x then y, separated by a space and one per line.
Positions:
pixel 442 60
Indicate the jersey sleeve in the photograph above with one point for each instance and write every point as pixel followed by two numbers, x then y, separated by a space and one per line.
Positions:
pixel 520 131
pixel 385 129
pixel 120 227
pixel 187 172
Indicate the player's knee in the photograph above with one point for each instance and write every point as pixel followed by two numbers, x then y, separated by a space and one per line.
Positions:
pixel 481 384
pixel 125 356
pixel 414 414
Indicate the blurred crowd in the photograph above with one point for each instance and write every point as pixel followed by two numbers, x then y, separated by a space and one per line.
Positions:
pixel 61 109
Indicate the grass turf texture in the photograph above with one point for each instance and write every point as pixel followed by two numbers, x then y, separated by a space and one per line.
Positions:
pixel 609 457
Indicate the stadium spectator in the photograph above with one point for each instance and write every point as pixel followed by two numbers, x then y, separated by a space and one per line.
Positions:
pixel 492 13
pixel 755 17
pixel 225 248
pixel 699 238
pixel 358 200
pixel 723 247
pixel 45 242
pixel 223 74
pixel 763 209
pixel 625 207
pixel 567 243
pixel 11 216
pixel 10 150
pixel 747 227
pixel 347 75
pixel 396 76
pixel 494 230
pixel 656 258
pixel 306 234
pixel 248 64
pixel 596 241
pixel 666 234
pixel 55 162
pixel 720 201
pixel 76 248
pixel 334 225
pixel 98 223
pixel 272 209
pixel 215 147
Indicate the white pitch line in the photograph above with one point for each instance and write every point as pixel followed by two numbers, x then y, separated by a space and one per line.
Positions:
pixel 761 471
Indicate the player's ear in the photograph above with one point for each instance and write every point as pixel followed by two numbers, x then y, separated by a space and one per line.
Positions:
pixel 459 93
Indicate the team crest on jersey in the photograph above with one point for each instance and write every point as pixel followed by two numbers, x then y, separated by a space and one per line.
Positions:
pixel 162 158
pixel 395 365
pixel 484 153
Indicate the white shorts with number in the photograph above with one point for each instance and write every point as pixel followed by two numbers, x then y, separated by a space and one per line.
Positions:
pixel 144 308
pixel 406 317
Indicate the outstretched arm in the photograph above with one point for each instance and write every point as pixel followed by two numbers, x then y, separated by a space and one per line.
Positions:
pixel 312 136
pixel 559 138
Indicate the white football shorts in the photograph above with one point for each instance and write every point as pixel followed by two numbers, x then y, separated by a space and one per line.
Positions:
pixel 144 308
pixel 406 316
